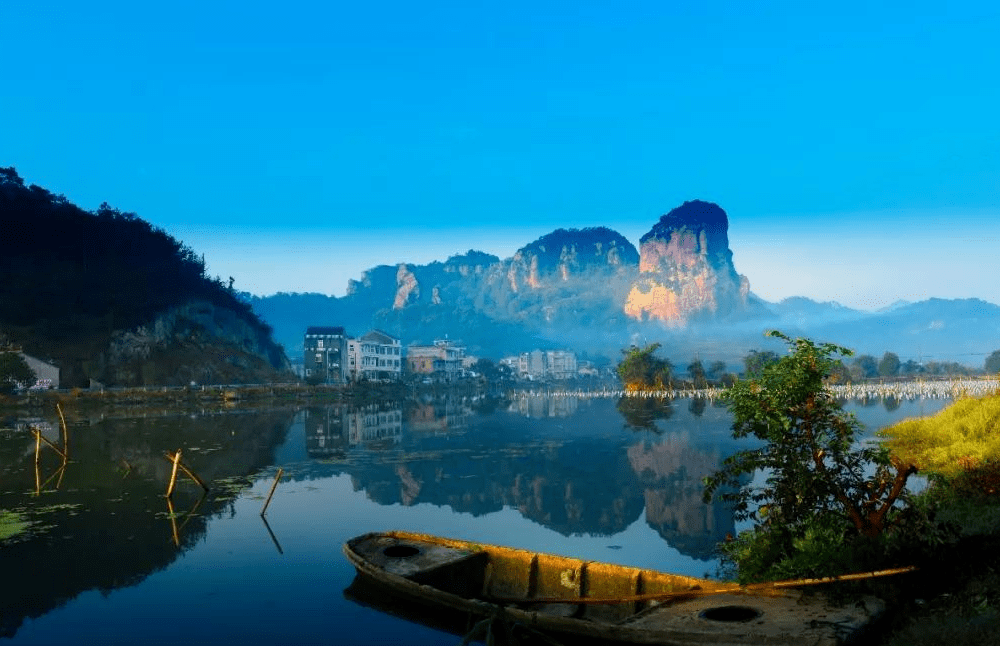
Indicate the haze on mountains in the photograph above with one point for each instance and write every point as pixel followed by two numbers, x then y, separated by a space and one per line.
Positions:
pixel 590 290
pixel 113 299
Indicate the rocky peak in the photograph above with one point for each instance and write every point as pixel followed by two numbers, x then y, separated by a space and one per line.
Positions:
pixel 564 254
pixel 686 268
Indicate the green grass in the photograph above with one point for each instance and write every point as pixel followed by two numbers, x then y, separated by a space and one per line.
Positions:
pixel 964 435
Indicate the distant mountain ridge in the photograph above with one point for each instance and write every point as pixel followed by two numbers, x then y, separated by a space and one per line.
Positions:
pixel 592 291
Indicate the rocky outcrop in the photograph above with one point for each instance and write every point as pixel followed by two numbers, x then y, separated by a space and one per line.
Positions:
pixel 566 254
pixel 196 342
pixel 407 288
pixel 686 268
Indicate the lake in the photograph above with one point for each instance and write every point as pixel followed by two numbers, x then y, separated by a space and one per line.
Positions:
pixel 93 552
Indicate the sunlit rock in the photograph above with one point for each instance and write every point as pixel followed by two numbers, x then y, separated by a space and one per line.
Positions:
pixel 686 268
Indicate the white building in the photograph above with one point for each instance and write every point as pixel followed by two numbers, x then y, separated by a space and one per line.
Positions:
pixel 375 356
pixel 547 364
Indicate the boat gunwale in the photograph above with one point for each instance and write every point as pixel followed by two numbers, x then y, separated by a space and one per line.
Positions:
pixel 621 631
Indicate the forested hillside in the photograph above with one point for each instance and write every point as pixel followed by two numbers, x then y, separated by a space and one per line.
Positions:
pixel 90 291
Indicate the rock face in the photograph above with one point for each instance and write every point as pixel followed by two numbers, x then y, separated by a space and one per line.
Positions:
pixel 686 268
pixel 565 254
pixel 198 342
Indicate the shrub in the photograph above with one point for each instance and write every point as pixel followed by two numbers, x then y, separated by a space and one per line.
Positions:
pixel 821 487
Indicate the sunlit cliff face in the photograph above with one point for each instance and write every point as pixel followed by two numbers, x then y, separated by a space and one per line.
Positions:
pixel 406 287
pixel 685 268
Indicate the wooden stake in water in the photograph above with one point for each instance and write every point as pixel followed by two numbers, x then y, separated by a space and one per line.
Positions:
pixel 188 471
pixel 173 473
pixel 65 431
pixel 273 487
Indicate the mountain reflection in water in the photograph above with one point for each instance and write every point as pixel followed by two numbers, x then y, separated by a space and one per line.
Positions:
pixel 581 474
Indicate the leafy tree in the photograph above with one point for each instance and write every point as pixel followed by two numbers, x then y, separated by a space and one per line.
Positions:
pixel 697 372
pixel 910 367
pixel 486 368
pixel 14 372
pixel 756 361
pixel 640 370
pixel 716 370
pixel 992 365
pixel 864 367
pixel 839 373
pixel 889 365
pixel 816 474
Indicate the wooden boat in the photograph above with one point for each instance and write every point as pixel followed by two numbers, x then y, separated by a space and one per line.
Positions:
pixel 578 600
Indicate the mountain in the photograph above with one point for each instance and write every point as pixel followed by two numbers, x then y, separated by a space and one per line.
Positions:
pixel 585 289
pixel 687 270
pixel 592 291
pixel 110 298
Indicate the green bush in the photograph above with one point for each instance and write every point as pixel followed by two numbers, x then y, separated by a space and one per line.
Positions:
pixel 817 496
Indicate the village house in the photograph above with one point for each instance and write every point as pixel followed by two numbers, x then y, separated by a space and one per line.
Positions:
pixel 324 350
pixel 375 356
pixel 443 360
pixel 544 364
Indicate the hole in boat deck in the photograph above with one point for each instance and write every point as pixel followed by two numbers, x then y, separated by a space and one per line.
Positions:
pixel 730 613
pixel 401 551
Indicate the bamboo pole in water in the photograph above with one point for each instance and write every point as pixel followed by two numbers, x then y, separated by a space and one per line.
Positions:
pixel 173 522
pixel 173 474
pixel 273 487
pixel 42 438
pixel 65 429
pixel 188 471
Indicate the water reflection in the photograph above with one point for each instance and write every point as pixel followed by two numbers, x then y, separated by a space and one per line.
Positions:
pixel 565 463
pixel 108 523
pixel 577 466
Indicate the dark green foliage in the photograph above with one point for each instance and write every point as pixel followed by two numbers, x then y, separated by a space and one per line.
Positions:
pixel 697 372
pixel 756 361
pixel 14 373
pixel 816 484
pixel 889 365
pixel 864 367
pixel 992 364
pixel 640 370
pixel 839 373
pixel 71 278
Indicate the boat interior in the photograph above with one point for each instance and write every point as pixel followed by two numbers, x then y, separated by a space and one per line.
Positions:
pixel 543 583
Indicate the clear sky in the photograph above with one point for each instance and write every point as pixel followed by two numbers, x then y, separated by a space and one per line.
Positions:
pixel 855 147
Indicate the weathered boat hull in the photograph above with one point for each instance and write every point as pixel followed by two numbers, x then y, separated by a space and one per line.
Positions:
pixel 563 596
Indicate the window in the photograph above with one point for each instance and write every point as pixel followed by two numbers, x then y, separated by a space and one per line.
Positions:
pixel 319 344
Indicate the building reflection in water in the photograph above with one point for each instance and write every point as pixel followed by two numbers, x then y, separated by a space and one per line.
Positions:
pixel 540 406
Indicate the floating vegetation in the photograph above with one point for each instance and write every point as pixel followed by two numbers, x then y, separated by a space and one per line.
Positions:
pixel 22 523
pixel 12 524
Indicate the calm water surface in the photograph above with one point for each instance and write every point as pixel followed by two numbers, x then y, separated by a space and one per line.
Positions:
pixel 92 553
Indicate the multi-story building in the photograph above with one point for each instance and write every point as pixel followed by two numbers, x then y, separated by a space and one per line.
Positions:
pixel 324 351
pixel 375 356
pixel 560 364
pixel 443 359
pixel 546 364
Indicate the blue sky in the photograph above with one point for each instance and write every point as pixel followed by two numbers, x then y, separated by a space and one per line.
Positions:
pixel 855 147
